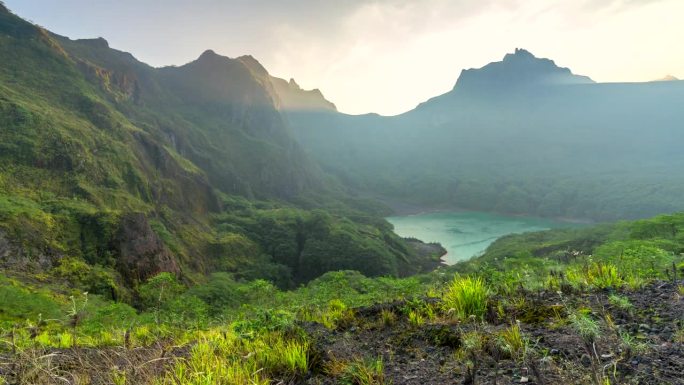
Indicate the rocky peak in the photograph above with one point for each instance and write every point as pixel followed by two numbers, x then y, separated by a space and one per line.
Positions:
pixel 293 98
pixel 517 70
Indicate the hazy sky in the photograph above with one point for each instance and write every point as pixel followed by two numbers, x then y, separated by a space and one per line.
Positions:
pixel 383 56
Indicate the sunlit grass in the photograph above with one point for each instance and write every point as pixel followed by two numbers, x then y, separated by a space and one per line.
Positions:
pixel 465 297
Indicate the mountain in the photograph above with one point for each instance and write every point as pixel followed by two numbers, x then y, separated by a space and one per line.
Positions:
pixel 521 135
pixel 516 70
pixel 288 96
pixel 293 98
pixel 120 170
pixel 667 78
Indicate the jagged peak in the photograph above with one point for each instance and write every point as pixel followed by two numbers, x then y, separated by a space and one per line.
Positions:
pixel 518 69
pixel 519 53
pixel 294 84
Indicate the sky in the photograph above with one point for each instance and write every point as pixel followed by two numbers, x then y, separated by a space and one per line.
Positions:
pixel 383 56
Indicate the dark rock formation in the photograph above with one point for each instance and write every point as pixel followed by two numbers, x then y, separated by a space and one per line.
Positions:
pixel 141 253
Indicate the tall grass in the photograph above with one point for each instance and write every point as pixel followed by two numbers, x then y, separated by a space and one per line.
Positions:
pixel 466 297
pixel 223 358
pixel 364 372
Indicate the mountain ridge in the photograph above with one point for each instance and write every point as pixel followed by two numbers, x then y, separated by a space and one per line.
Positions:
pixel 131 170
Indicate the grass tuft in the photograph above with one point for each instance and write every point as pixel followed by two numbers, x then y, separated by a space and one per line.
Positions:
pixel 466 297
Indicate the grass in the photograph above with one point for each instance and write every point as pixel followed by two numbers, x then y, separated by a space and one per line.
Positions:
pixel 585 326
pixel 388 317
pixel 222 357
pixel 513 341
pixel 620 302
pixel 363 372
pixel 466 297
pixel 416 318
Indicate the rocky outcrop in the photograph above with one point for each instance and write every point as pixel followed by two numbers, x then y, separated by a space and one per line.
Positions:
pixel 293 98
pixel 27 258
pixel 141 253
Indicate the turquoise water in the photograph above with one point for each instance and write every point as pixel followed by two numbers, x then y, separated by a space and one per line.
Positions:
pixel 466 234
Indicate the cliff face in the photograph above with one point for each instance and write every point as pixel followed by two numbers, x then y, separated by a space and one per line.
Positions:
pixel 288 96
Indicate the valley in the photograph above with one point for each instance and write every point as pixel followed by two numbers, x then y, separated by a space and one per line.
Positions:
pixel 210 223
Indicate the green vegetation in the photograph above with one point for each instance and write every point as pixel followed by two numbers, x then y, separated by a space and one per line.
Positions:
pixel 160 226
pixel 609 256
pixel 363 372
pixel 240 331
pixel 466 297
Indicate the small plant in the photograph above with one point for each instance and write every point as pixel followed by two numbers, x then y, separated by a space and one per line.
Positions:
pixel 415 318
pixel 620 302
pixel 586 327
pixel 631 344
pixel 336 315
pixel 119 377
pixel 679 336
pixel 364 372
pixel 466 297
pixel 388 317
pixel 469 354
pixel 604 275
pixel 589 331
pixel 513 341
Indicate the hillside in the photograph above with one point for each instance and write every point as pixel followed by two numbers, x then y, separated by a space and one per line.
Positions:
pixel 124 171
pixel 522 135
pixel 600 305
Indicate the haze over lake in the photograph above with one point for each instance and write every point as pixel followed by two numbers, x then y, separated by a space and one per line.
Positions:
pixel 467 233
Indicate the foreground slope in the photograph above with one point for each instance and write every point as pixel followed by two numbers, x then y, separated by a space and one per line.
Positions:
pixel 595 306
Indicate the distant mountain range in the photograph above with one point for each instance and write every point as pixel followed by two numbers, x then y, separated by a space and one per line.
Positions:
pixel 522 136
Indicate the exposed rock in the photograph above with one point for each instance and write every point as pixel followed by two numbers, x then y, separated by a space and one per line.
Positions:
pixel 4 243
pixel 14 257
pixel 141 253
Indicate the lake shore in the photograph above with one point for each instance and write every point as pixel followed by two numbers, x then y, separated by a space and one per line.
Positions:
pixel 466 233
